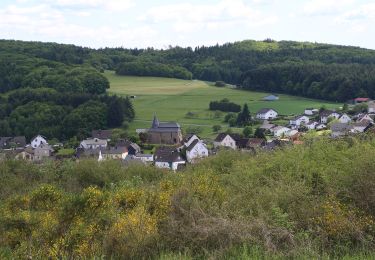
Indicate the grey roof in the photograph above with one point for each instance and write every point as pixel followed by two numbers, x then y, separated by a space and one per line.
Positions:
pixel 101 134
pixel 192 145
pixel 266 125
pixel 220 137
pixel 169 125
pixel 363 123
pixel 155 122
pixel 94 141
pixel 164 130
pixel 298 117
pixel 167 154
pixel 271 97
pixel 6 142
pixel 265 110
pixel 326 113
pixel 157 125
pixel 341 127
pixel 117 150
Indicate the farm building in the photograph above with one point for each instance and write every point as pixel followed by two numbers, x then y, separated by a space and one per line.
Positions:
pixel 271 98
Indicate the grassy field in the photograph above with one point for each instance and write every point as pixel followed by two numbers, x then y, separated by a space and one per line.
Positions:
pixel 172 99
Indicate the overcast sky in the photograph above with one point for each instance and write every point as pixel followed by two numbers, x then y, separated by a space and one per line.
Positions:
pixel 160 23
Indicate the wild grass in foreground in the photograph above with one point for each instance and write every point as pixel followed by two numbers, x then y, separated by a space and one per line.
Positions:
pixel 311 201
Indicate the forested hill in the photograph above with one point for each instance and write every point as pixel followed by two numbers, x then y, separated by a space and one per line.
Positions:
pixel 50 89
pixel 315 70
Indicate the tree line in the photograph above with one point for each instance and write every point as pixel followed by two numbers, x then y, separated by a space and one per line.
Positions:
pixel 331 72
pixel 61 115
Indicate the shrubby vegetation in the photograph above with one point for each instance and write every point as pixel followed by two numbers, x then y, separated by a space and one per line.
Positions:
pixel 153 69
pixel 310 201
pixel 224 105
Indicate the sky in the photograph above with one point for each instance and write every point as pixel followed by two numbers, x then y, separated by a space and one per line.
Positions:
pixel 163 23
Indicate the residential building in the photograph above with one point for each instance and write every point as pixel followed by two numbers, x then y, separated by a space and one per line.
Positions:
pixel 361 100
pixel 11 143
pixel 101 134
pixel 196 150
pixel 38 140
pixel 168 158
pixel 312 125
pixel 266 114
pixel 94 143
pixel 327 114
pixel 279 131
pixel 226 140
pixel 362 126
pixel 345 119
pixel 189 139
pixel 340 129
pixel 320 127
pixel 267 125
pixel 311 111
pixel 371 107
pixel 299 120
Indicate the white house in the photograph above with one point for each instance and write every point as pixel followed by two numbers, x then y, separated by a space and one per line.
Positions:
pixel 291 133
pixel 371 107
pixel 360 127
pixel 190 139
pixel 225 140
pixel 93 143
pixel 345 119
pixel 320 127
pixel 168 158
pixel 38 140
pixel 299 120
pixel 311 111
pixel 266 114
pixel 279 131
pixel 145 158
pixel 365 118
pixel 325 115
pixel 196 150
pixel 312 125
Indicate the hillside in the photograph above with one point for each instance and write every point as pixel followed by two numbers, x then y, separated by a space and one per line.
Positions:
pixel 323 71
pixel 49 95
pixel 187 101
pixel 314 201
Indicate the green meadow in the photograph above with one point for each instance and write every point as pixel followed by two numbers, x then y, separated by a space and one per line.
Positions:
pixel 173 99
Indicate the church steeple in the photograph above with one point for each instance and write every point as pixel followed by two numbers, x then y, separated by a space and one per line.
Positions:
pixel 155 122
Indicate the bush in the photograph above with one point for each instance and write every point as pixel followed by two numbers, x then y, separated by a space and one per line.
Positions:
pixel 220 84
pixel 216 128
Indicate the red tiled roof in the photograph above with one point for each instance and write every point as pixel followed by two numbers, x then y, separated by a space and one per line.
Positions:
pixel 361 99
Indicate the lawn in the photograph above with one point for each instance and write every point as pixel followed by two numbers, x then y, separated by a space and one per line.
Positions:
pixel 172 99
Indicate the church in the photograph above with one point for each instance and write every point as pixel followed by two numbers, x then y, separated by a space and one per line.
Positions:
pixel 164 133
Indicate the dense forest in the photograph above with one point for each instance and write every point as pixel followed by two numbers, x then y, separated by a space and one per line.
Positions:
pixel 314 201
pixel 38 80
pixel 330 72
pixel 54 94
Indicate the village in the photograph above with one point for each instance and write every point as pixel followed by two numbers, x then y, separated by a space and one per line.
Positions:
pixel 174 151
